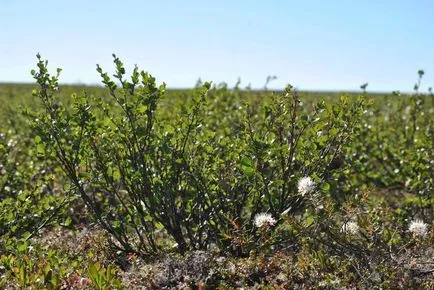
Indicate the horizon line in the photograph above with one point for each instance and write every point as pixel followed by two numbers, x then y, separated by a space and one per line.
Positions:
pixel 186 88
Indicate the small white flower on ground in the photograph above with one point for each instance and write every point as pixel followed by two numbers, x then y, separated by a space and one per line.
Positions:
pixel 305 185
pixel 350 227
pixel 263 219
pixel 418 227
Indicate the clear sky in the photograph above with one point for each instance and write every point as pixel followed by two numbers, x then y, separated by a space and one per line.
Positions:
pixel 332 45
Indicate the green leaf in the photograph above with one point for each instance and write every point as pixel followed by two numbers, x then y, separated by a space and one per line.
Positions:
pixel 309 221
pixel 116 175
pixel 22 248
pixel 326 187
pixel 141 109
pixel 247 166
pixel 40 148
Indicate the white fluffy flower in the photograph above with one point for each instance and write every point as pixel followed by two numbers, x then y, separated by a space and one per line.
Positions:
pixel 350 227
pixel 418 227
pixel 263 219
pixel 305 185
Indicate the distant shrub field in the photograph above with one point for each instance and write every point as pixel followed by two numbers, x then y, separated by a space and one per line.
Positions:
pixel 134 186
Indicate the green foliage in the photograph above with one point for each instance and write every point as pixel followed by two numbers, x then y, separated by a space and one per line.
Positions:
pixel 29 196
pixel 398 159
pixel 195 172
pixel 103 278
pixel 28 266
pixel 139 172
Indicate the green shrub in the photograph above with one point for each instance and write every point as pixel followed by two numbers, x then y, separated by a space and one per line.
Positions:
pixel 141 172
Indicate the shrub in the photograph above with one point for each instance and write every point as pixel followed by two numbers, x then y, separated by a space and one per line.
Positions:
pixel 147 175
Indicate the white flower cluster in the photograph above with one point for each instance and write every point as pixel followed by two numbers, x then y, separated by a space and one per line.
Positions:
pixel 264 219
pixel 350 227
pixel 305 185
pixel 418 227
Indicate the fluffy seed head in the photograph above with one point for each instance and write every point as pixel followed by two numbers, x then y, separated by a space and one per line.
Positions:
pixel 350 227
pixel 264 219
pixel 305 185
pixel 418 227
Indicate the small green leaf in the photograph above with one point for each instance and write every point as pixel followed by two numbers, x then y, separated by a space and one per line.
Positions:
pixel 247 166
pixel 326 187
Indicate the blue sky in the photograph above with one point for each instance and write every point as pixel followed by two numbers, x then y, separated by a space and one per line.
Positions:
pixel 316 45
